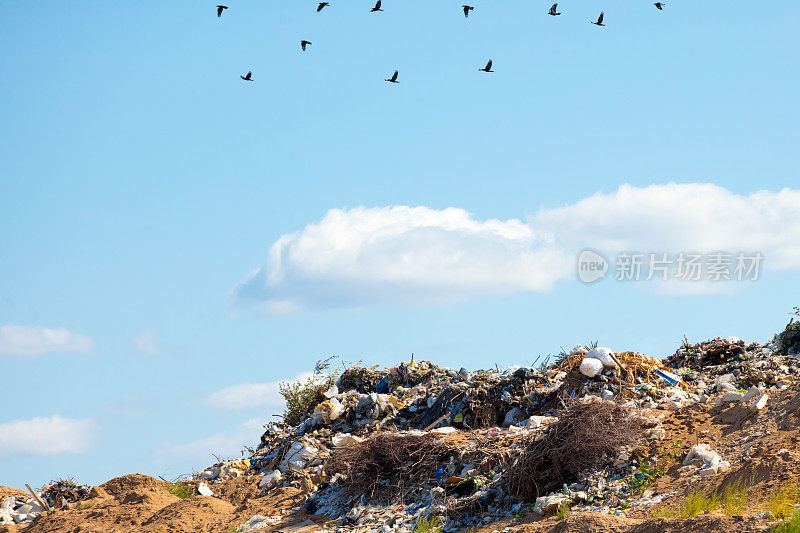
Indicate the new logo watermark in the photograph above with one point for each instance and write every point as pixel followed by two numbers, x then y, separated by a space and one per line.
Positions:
pixel 591 266
pixel 684 266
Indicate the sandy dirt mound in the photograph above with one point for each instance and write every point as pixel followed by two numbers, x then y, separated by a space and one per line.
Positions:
pixel 8 491
pixel 143 504
pixel 762 446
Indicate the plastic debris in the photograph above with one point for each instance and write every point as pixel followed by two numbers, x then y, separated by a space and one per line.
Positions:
pixel 204 490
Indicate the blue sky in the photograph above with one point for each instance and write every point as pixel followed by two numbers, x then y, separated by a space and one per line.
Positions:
pixel 143 183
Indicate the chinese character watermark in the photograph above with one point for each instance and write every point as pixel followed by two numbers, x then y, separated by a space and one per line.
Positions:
pixel 715 266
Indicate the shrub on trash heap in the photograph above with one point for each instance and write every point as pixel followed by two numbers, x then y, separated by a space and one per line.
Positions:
pixel 585 437
pixel 302 396
pixel 386 464
pixel 789 339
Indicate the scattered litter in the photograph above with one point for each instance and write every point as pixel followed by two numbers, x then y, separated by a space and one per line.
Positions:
pixel 204 489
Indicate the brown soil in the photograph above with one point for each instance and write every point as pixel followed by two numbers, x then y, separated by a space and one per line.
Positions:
pixel 736 434
pixel 8 491
pixel 603 523
pixel 142 503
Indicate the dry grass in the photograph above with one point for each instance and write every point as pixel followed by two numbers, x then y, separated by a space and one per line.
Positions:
pixel 585 437
pixel 387 464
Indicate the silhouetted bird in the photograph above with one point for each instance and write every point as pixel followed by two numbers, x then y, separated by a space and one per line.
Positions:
pixel 322 5
pixel 553 10
pixel 377 7
pixel 599 20
pixel 393 79
pixel 303 44
pixel 488 67
pixel 659 5
pixel 467 9
pixel 248 77
pixel 220 9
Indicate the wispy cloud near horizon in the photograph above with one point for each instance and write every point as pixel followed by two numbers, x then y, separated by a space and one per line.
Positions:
pixel 47 436
pixel 247 395
pixel 222 444
pixel 38 340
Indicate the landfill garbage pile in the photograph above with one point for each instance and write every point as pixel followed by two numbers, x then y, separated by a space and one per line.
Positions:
pixel 382 449
pixel 730 364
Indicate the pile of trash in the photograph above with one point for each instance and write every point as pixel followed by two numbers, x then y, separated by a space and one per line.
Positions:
pixel 63 491
pixel 17 510
pixel 713 352
pixel 20 511
pixel 383 448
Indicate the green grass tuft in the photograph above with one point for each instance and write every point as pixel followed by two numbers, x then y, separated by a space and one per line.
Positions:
pixel 783 503
pixel 697 503
pixel 735 497
pixel 792 526
pixel 563 510
pixel 431 524
pixel 181 489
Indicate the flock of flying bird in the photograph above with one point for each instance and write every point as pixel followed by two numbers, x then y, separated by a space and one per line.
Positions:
pixel 393 79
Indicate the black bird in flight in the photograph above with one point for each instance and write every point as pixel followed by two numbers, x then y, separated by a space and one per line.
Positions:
pixel 488 67
pixel 377 7
pixel 467 9
pixel 303 44
pixel 599 20
pixel 553 10
pixel 393 79
pixel 322 5
pixel 248 77
pixel 660 5
pixel 220 9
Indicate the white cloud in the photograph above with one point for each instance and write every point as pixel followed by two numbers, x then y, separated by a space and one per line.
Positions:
pixel 37 340
pixel 47 436
pixel 417 255
pixel 682 217
pixel 223 444
pixel 147 344
pixel 245 395
pixel 403 255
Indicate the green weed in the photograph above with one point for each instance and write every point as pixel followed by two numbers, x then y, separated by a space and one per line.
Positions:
pixel 646 475
pixel 431 524
pixel 792 526
pixel 697 503
pixel 735 496
pixel 181 489
pixel 302 396
pixel 563 510
pixel 783 503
